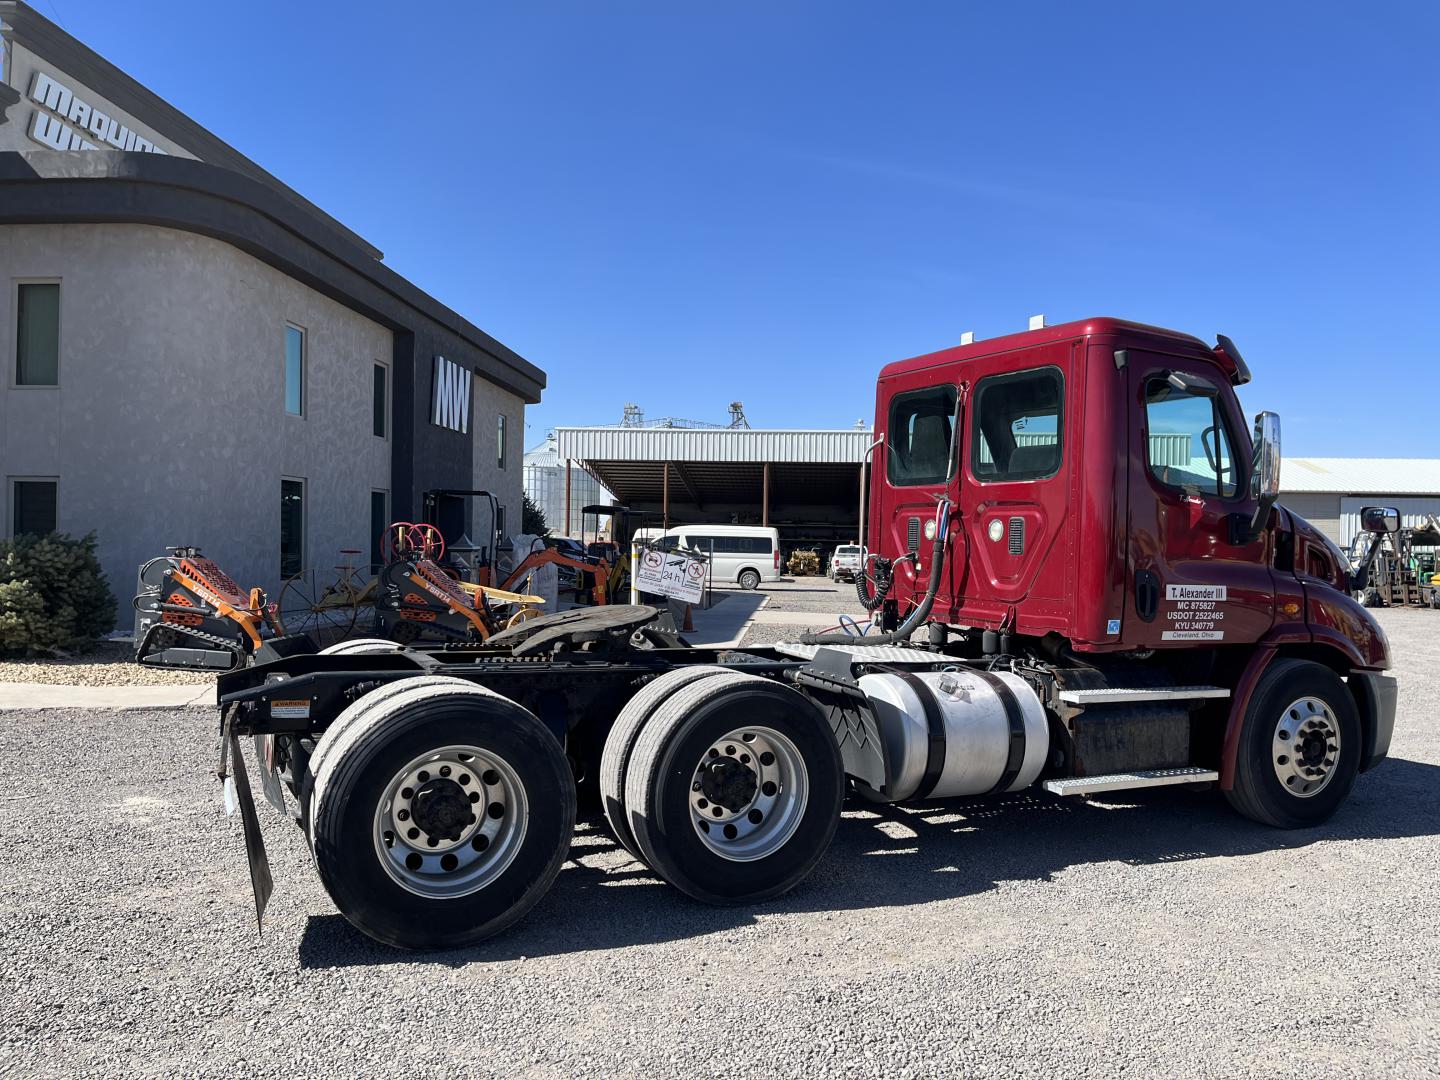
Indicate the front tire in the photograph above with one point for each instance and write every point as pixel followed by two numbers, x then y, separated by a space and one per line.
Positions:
pixel 749 579
pixel 734 788
pixel 1299 747
pixel 441 816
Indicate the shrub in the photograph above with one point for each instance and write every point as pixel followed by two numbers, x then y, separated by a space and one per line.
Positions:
pixel 532 518
pixel 53 596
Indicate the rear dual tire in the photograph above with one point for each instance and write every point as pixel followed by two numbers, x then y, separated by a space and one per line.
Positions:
pixel 732 785
pixel 392 843
pixel 360 647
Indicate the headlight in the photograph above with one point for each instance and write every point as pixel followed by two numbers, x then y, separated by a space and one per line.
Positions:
pixel 930 529
pixel 997 530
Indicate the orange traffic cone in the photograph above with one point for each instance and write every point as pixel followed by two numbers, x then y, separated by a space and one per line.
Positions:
pixel 689 627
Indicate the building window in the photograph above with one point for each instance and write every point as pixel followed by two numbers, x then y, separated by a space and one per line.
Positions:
pixel 33 507
pixel 292 527
pixel 381 419
pixel 294 370
pixel 37 340
pixel 500 441
pixel 1019 426
pixel 379 518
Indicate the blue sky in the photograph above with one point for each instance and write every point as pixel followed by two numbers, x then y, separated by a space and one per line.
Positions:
pixel 685 203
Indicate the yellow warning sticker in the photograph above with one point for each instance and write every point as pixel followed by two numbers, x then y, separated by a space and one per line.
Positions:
pixel 290 710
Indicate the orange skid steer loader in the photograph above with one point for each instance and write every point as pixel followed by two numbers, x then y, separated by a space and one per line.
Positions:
pixel 190 614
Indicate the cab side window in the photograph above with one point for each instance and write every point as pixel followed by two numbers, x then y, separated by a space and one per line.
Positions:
pixel 1190 448
pixel 919 436
pixel 1019 426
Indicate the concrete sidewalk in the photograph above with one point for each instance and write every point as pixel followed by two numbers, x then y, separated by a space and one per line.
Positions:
pixel 51 696
pixel 722 626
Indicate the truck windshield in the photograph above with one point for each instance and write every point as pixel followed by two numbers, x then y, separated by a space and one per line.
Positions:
pixel 919 436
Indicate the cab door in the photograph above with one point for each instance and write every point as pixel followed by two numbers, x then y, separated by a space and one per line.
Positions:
pixel 1020 435
pixel 1192 578
pixel 918 463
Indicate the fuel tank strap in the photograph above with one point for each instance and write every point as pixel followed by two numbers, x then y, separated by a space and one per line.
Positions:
pixel 1016 757
pixel 935 724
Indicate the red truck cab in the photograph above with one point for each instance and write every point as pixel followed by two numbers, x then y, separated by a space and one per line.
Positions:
pixel 1099 496
pixel 1100 481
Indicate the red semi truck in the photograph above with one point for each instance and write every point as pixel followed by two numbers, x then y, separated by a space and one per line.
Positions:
pixel 1085 584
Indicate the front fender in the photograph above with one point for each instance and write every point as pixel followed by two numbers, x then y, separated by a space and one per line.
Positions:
pixel 1339 620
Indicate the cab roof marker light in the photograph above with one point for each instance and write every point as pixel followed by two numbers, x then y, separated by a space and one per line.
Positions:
pixel 967 338
pixel 1037 322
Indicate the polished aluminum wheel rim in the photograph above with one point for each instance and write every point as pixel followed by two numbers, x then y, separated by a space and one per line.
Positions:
pixel 450 822
pixel 1306 747
pixel 748 793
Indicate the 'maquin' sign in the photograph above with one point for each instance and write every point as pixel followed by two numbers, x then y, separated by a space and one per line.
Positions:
pixel 76 124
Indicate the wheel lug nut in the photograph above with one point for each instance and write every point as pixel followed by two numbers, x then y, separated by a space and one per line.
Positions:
pixel 702 803
pixel 695 786
pixel 403 815
pixel 444 770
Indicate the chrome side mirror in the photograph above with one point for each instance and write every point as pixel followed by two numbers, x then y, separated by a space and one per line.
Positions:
pixel 1265 472
pixel 1380 519
pixel 1264 479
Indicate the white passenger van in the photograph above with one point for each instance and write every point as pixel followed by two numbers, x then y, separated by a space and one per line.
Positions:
pixel 744 554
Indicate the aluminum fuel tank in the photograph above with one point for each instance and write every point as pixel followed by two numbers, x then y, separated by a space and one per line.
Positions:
pixel 995 737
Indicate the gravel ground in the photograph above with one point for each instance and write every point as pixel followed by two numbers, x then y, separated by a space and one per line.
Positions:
pixel 1014 937
pixel 814 604
pixel 107 664
pixel 811 596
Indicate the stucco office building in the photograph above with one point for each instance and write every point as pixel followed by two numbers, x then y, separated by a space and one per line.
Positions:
pixel 195 354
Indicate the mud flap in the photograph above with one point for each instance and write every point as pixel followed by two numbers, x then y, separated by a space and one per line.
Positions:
pixel 269 779
pixel 260 879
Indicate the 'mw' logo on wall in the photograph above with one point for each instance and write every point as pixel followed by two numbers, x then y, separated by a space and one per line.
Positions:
pixel 450 403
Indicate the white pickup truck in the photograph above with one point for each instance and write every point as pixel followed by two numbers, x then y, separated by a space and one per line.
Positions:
pixel 845 563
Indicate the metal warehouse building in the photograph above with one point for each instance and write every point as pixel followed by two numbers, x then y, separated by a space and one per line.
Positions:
pixel 196 354
pixel 808 484
pixel 1329 492
pixel 552 486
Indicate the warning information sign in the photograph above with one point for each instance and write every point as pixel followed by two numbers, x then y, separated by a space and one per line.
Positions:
pixel 671 574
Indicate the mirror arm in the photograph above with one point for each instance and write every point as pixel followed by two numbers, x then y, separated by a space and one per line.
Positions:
pixel 1360 576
